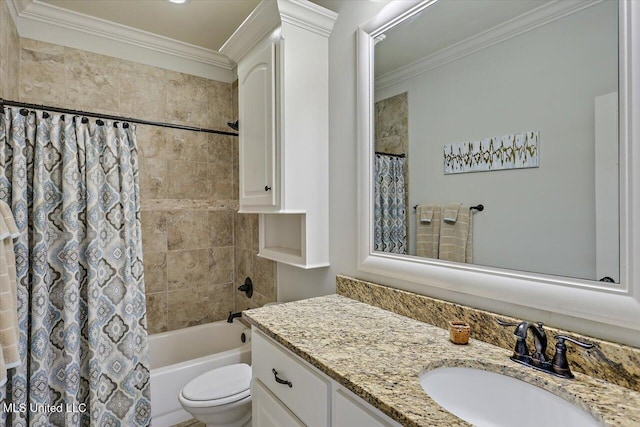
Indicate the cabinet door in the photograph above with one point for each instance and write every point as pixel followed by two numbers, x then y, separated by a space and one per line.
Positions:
pixel 257 116
pixel 268 411
pixel 348 412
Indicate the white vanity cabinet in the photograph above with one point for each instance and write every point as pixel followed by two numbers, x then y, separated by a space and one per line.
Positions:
pixel 281 51
pixel 287 391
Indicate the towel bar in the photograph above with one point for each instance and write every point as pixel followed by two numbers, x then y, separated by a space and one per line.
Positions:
pixel 479 207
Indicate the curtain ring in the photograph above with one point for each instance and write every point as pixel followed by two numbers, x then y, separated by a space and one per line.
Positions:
pixel 99 122
pixel 85 120
pixel 24 112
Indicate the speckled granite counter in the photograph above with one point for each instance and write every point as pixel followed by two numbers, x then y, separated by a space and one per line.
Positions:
pixel 612 362
pixel 379 356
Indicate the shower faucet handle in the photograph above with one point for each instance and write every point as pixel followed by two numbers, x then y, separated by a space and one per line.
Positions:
pixel 247 288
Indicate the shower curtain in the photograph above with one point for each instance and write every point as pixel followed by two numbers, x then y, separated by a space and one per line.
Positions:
pixel 390 229
pixel 73 189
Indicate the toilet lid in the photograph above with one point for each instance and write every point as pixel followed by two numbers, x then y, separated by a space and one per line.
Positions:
pixel 227 384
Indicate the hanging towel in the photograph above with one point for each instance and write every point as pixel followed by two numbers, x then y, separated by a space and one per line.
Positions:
pixel 424 213
pixel 9 221
pixel 428 232
pixel 450 213
pixel 9 354
pixel 456 234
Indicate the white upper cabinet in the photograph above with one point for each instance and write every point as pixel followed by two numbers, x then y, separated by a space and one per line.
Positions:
pixel 257 84
pixel 282 53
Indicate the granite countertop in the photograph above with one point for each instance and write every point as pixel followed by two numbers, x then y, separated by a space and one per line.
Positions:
pixel 379 355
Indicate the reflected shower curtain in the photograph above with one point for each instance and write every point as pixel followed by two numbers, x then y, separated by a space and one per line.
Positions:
pixel 73 188
pixel 390 228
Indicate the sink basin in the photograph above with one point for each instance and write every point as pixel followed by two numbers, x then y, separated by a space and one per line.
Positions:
pixel 485 398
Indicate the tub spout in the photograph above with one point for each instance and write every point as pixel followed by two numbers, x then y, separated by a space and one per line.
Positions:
pixel 233 315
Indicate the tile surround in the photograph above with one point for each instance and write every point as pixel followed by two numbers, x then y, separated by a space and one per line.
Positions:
pixel 612 362
pixel 392 124
pixel 189 268
pixel 221 265
pixel 188 180
pixel 9 54
pixel 247 264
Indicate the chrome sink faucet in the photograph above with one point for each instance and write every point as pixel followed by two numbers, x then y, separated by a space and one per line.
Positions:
pixel 558 366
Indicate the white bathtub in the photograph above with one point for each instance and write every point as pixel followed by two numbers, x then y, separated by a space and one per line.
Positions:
pixel 179 356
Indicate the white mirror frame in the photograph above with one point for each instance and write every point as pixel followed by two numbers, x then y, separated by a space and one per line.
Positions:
pixel 617 305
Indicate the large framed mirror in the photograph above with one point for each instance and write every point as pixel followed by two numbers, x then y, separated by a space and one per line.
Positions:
pixel 496 151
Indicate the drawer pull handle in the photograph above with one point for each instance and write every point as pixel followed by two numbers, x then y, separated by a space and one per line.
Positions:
pixel 280 380
pixel 267 188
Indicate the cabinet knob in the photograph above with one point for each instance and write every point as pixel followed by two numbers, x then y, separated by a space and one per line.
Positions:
pixel 267 188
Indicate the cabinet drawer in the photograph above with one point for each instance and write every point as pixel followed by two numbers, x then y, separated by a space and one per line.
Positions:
pixel 308 396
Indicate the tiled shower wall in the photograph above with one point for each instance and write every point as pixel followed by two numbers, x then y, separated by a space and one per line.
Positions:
pixel 392 124
pixel 188 180
pixel 9 54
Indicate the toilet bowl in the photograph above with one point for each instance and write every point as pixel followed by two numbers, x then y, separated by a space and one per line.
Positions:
pixel 221 397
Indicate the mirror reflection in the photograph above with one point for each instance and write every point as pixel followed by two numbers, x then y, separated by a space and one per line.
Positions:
pixel 512 106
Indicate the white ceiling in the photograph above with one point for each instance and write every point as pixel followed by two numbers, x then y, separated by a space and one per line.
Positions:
pixel 203 23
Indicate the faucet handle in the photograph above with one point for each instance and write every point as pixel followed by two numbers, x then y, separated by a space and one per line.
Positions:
pixel 560 364
pixel 503 323
pixel 561 339
pixel 520 350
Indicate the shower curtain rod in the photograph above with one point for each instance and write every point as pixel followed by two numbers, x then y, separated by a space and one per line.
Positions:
pixel 110 117
pixel 391 154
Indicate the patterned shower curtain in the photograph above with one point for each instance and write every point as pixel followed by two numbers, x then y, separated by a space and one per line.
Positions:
pixel 73 188
pixel 390 230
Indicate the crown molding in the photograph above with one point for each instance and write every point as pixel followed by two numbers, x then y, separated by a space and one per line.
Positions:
pixel 262 21
pixel 270 14
pixel 45 22
pixel 307 15
pixel 502 32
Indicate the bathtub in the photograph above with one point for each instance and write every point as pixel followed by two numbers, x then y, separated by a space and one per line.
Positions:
pixel 179 356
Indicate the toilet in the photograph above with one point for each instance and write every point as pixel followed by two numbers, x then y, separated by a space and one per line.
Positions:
pixel 220 397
